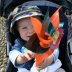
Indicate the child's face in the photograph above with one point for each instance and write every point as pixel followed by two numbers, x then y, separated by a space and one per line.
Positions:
pixel 25 28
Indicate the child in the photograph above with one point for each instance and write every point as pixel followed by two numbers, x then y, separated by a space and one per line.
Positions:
pixel 22 26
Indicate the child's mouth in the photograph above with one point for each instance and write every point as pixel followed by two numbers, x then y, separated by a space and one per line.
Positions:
pixel 32 37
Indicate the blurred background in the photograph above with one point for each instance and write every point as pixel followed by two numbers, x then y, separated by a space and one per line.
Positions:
pixel 3 58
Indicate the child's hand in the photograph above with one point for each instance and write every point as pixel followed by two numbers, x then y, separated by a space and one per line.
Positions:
pixel 45 63
pixel 29 54
pixel 23 58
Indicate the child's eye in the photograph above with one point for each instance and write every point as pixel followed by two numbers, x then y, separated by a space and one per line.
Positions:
pixel 24 28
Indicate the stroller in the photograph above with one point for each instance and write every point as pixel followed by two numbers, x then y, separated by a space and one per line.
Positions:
pixel 43 5
pixel 6 6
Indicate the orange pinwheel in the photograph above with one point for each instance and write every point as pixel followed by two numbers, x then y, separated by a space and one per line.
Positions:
pixel 44 38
